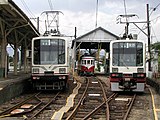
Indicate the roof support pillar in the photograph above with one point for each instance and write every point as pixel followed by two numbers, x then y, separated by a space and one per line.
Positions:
pixel 3 52
pixel 15 53
pixel 25 57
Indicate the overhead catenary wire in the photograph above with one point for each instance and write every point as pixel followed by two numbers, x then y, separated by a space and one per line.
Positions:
pixel 154 34
pixel 28 10
pixel 50 4
pixel 53 17
pixel 32 16
pixel 154 9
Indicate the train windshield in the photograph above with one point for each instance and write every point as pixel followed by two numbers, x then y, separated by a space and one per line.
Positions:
pixel 128 54
pixel 49 51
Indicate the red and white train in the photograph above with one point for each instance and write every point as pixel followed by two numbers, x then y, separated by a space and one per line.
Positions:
pixel 87 65
pixel 127 65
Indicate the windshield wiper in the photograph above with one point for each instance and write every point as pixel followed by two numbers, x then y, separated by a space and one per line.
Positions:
pixel 53 63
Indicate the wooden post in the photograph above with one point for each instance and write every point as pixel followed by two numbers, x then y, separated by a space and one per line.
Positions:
pixel 15 53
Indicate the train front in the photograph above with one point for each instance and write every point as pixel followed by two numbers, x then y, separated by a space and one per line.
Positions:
pixel 127 65
pixel 50 69
pixel 87 65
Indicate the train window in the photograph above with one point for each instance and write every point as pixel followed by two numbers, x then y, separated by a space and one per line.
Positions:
pixel 125 45
pixel 52 42
pixel 84 62
pixel 61 53
pixel 139 45
pixel 128 54
pixel 49 51
pixel 92 62
pixel 131 45
pixel 36 52
pixel 45 42
pixel 115 45
pixel 88 61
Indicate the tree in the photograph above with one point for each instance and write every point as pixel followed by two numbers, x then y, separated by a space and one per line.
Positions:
pixel 156 47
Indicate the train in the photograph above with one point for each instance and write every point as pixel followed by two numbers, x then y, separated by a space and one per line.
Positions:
pixel 50 62
pixel 87 66
pixel 127 65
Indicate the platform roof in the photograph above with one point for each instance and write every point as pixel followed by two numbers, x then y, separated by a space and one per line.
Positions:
pixel 94 38
pixel 15 20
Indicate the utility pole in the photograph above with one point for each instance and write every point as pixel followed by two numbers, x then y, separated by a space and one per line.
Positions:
pixel 38 24
pixel 36 19
pixel 75 34
pixel 148 30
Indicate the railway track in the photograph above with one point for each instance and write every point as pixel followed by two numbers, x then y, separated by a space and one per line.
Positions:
pixel 93 101
pixel 17 109
pixel 120 106
pixel 38 106
pixel 93 98
pixel 46 100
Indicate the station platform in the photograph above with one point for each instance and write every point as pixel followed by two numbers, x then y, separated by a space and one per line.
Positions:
pixel 11 78
pixel 13 85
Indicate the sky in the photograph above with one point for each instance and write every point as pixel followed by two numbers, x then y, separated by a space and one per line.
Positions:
pixel 82 14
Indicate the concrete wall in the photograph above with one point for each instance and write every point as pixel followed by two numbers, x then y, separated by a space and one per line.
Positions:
pixel 13 90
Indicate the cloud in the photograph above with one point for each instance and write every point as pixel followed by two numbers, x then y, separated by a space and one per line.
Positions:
pixel 83 21
pixel 82 14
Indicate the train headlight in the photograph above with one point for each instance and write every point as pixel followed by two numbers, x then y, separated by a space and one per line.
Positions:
pixel 115 70
pixel 62 70
pixel 140 70
pixel 35 70
pixel 62 77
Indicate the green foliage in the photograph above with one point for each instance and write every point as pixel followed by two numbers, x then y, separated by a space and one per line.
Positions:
pixel 158 59
pixel 156 46
pixel 98 66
